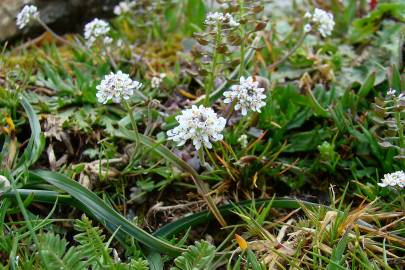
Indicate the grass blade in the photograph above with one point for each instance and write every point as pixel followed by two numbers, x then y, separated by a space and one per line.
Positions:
pixel 103 213
pixel 36 142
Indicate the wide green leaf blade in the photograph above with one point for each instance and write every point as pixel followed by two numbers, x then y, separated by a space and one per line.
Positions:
pixel 106 215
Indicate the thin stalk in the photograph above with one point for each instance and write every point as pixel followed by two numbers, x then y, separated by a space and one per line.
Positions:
pixel 27 219
pixel 242 45
pixel 210 84
pixel 400 127
pixel 133 123
pixel 201 156
pixel 56 36
pixel 231 107
pixel 110 57
pixel 285 57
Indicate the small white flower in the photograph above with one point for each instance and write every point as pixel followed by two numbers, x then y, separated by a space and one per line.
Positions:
pixel 213 18
pixel 391 92
pixel 95 29
pixel 307 28
pixel 25 16
pixel 248 95
pixel 199 124
pixel 321 20
pixel 107 40
pixel 157 80
pixel 243 140
pixel 393 179
pixel 4 184
pixel 124 7
pixel 116 87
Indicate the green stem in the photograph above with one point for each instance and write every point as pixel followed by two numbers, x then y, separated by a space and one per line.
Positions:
pixel 400 127
pixel 201 156
pixel 285 57
pixel 27 219
pixel 56 36
pixel 133 123
pixel 211 78
pixel 242 45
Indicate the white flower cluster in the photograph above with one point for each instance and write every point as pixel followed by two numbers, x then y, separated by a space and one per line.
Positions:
pixel 116 87
pixel 393 179
pixel 124 7
pixel 248 95
pixel 213 18
pixel 96 29
pixel 199 124
pixel 157 80
pixel 26 15
pixel 321 20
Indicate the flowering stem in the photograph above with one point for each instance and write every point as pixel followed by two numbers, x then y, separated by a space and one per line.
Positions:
pixel 401 199
pixel 229 111
pixel 400 127
pixel 133 122
pixel 242 45
pixel 201 156
pixel 211 78
pixel 110 57
pixel 285 57
pixel 56 36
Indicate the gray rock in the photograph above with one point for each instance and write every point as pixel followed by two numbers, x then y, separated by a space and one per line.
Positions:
pixel 62 15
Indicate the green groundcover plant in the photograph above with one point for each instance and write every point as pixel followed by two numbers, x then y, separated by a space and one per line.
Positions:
pixel 232 134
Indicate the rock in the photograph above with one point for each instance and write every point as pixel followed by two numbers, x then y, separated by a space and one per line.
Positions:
pixel 61 15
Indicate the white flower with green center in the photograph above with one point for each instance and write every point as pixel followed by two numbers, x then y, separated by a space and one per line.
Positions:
pixel 116 87
pixel 213 18
pixel 247 96
pixel 95 29
pixel 201 125
pixel 321 20
pixel 393 179
pixel 26 15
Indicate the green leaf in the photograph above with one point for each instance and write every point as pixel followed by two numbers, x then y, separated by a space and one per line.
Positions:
pixel 367 85
pixel 337 254
pixel 111 219
pixel 36 142
pixel 395 79
pixel 53 250
pixel 197 257
pixel 226 210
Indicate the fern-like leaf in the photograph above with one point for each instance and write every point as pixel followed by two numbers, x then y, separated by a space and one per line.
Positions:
pixel 197 257
pixel 91 240
pixel 53 250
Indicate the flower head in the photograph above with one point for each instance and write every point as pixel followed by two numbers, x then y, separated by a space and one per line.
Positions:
pixel 248 95
pixel 157 80
pixel 124 7
pixel 243 140
pixel 95 29
pixel 393 179
pixel 391 92
pixel 4 184
pixel 199 124
pixel 26 15
pixel 116 87
pixel 321 20
pixel 213 18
